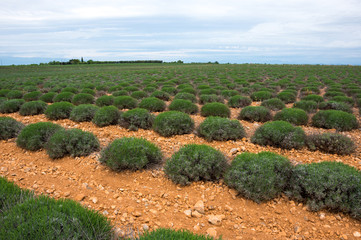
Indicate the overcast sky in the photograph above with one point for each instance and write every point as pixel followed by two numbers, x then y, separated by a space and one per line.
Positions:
pixel 235 31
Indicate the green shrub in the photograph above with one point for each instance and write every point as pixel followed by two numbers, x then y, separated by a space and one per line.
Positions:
pixel 162 233
pixel 182 105
pixel 287 96
pixel 209 98
pixel 313 97
pixel 331 143
pixel 32 96
pixel 161 95
pixel 153 104
pixel 34 136
pixel 331 94
pixel 173 123
pixel 4 92
pixel 70 89
pixel 64 97
pixel 59 110
pixel 9 128
pixel 11 106
pixel 327 185
pixel 186 96
pixel 47 218
pixel 343 99
pixel 261 95
pixel 308 106
pixel 229 93
pixel 120 93
pixel 47 97
pixel 295 116
pixel 11 195
pixel 255 114
pixel 221 129
pixel 104 101
pixel 208 91
pixel 239 101
pixel 339 120
pixel 130 153
pixel 131 89
pixel 88 91
pixel 259 177
pixel 83 98
pixel 137 118
pixel 2 99
pixel 139 94
pixel 215 109
pixel 195 163
pixel 171 90
pixel 279 134
pixel 83 113
pixel 149 89
pixel 14 94
pixel 105 116
pixel 73 142
pixel 333 105
pixel 274 104
pixel 190 90
pixel 125 102
pixel 33 108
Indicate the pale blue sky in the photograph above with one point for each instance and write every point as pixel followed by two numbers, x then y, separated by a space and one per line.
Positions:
pixel 244 31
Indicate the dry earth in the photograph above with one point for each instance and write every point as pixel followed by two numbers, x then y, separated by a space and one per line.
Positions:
pixel 147 199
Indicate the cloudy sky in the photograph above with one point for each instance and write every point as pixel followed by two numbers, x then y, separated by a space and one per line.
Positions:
pixel 235 31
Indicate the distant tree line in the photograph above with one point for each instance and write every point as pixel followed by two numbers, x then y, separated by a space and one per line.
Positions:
pixel 77 61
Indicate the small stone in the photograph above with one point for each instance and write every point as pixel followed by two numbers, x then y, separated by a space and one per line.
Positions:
pixel 212 232
pixel 357 234
pixel 66 194
pixel 137 214
pixel 188 213
pixel 228 208
pixel 196 214
pixel 4 169
pixel 94 199
pixel 297 229
pixel 196 228
pixel 145 227
pixel 233 151
pixel 215 219
pixel 199 207
pixel 344 237
pixel 322 216
pixel 80 197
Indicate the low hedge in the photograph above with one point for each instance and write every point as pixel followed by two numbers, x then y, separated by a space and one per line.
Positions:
pixel 130 153
pixel 73 142
pixel 137 118
pixel 196 163
pixel 331 143
pixel 339 120
pixel 215 109
pixel 274 104
pixel 182 105
pixel 59 110
pixel 173 123
pixel 64 97
pixel 186 96
pixel 279 134
pixel 83 98
pixel 255 114
pixel 259 177
pixel 32 96
pixel 308 106
pixel 34 136
pixel 327 185
pixel 48 97
pixel 14 94
pixel 33 108
pixel 125 102
pixel 11 106
pixel 104 100
pixel 153 104
pixel 209 98
pixel 221 129
pixel 287 96
pixel 46 218
pixel 83 113
pixel 161 95
pixel 239 101
pixel 333 105
pixel 295 116
pixel 261 95
pixel 139 95
pixel 313 97
pixel 9 128
pixel 105 116
pixel 163 233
